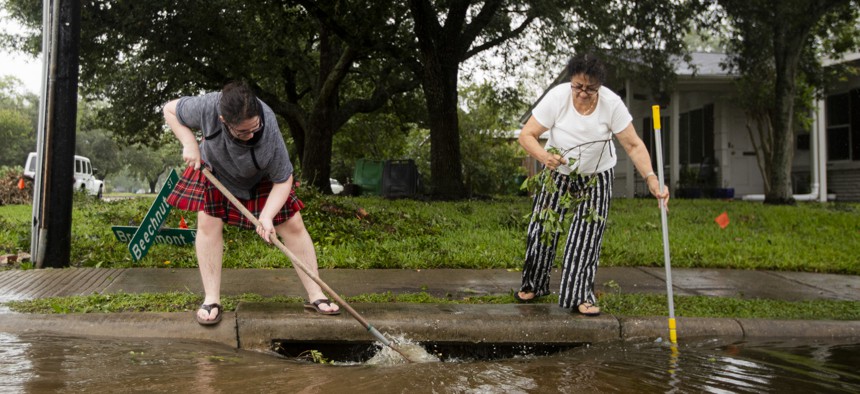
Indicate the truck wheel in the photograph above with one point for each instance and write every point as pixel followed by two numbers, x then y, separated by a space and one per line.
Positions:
pixel 99 196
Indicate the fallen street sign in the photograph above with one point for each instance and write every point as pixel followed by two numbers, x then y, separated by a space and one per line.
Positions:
pixel 149 227
pixel 166 236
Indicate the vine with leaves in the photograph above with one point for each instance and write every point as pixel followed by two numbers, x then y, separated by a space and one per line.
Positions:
pixel 549 218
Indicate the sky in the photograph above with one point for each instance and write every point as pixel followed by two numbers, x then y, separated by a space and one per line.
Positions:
pixel 21 66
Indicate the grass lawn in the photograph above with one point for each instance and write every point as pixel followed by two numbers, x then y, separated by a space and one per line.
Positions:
pixel 371 232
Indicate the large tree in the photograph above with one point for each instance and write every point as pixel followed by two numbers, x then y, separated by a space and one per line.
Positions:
pixel 138 55
pixel 777 47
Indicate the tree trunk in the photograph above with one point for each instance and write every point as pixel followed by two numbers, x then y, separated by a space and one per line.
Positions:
pixel 445 162
pixel 316 159
pixel 440 91
pixel 787 44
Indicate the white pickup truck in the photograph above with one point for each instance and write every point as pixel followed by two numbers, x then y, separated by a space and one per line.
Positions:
pixel 85 179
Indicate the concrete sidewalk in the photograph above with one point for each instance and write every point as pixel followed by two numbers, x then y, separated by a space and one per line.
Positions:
pixel 790 286
pixel 256 325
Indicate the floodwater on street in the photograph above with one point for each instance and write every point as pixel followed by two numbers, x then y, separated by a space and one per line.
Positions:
pixel 33 363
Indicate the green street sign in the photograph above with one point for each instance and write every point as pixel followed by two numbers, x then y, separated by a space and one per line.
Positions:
pixel 145 235
pixel 166 236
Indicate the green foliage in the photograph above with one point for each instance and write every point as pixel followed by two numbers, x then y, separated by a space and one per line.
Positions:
pixel 491 159
pixel 14 238
pixel 18 114
pixel 315 356
pixel 378 136
pixel 142 302
pixel 549 218
pixel 728 307
pixel 148 163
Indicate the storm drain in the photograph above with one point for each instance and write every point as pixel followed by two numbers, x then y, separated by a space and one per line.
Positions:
pixel 359 352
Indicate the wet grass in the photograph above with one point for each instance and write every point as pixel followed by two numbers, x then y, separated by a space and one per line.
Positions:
pixel 371 232
pixel 619 304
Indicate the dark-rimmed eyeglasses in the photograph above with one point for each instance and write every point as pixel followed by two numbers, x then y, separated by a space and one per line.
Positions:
pixel 242 133
pixel 580 88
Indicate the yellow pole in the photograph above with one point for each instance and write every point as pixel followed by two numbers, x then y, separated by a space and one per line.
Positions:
pixel 673 336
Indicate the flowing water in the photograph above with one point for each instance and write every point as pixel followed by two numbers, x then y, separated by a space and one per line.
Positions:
pixel 37 364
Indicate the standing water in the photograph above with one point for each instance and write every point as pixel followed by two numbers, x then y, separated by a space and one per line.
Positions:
pixel 32 363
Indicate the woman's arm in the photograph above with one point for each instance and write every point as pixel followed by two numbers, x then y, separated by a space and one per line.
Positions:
pixel 635 148
pixel 277 198
pixel 529 140
pixel 190 148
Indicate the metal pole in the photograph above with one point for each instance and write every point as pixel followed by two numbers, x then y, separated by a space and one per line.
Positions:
pixel 673 337
pixel 50 28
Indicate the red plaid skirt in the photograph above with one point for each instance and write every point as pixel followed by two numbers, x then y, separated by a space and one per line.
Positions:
pixel 195 193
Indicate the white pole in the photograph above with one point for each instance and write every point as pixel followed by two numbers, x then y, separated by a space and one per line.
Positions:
pixel 663 220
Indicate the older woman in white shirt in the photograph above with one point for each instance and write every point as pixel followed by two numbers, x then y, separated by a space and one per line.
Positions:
pixel 582 117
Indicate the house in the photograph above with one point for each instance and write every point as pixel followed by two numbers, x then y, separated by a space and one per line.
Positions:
pixel 706 142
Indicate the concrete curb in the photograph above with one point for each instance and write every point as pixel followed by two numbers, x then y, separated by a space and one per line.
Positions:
pixel 176 325
pixel 254 325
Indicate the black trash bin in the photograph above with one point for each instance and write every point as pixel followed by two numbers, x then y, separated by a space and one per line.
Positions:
pixel 399 178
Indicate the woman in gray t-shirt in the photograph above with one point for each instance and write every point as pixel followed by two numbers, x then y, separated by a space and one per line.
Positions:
pixel 243 146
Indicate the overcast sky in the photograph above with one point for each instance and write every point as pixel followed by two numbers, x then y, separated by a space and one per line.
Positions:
pixel 24 67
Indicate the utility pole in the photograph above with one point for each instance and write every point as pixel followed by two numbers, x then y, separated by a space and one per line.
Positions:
pixel 51 238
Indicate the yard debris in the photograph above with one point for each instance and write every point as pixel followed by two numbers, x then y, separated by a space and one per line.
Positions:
pixel 11 190
pixel 13 259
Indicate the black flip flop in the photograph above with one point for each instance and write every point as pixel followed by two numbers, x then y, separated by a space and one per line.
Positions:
pixel 524 300
pixel 208 308
pixel 315 307
pixel 589 306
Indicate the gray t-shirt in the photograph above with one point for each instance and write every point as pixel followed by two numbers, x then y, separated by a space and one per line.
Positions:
pixel 238 165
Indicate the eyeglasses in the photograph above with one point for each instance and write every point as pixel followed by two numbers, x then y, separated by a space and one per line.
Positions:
pixel 243 133
pixel 588 90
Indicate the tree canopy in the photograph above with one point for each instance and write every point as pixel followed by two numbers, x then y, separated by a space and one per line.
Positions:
pixel 138 55
pixel 319 64
pixel 443 35
pixel 18 118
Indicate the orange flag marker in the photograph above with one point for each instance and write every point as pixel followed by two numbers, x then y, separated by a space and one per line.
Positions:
pixel 21 184
pixel 182 223
pixel 722 220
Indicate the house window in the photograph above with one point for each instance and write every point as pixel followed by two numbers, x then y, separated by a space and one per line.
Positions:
pixel 843 126
pixel 696 136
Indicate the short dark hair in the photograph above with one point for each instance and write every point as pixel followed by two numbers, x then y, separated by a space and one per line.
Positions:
pixel 238 102
pixel 587 64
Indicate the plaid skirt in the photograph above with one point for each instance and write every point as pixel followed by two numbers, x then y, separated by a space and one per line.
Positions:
pixel 195 193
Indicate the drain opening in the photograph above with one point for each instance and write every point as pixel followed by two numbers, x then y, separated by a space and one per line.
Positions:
pixel 361 351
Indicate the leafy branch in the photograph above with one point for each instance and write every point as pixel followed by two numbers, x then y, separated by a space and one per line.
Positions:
pixel 549 218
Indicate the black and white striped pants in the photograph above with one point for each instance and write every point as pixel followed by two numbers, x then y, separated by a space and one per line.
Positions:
pixel 582 250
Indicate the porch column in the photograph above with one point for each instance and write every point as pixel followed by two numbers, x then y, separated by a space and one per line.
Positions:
pixel 818 140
